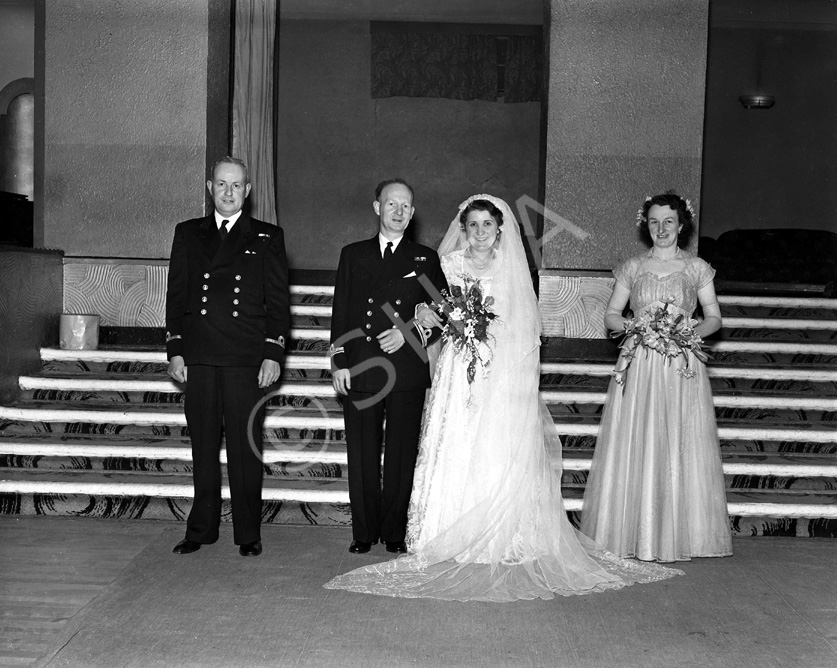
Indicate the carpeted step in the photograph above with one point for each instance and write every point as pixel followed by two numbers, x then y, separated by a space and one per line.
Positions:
pixel 730 359
pixel 800 401
pixel 773 372
pixel 162 496
pixel 167 418
pixel 335 490
pixel 323 459
pixel 750 513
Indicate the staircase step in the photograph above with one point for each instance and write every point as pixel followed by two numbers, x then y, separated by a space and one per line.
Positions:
pixel 135 483
pixel 313 451
pixel 778 323
pixel 759 503
pixel 775 372
pixel 312 290
pixel 819 356
pixel 61 385
pixel 171 415
pixel 155 355
pixel 104 431
pixel 150 383
pixel 803 303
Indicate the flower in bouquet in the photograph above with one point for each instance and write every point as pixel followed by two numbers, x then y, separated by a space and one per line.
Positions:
pixel 468 313
pixel 663 332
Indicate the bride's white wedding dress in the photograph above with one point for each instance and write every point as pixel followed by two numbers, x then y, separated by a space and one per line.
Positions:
pixel 486 518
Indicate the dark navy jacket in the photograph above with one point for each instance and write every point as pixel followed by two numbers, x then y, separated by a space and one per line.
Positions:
pixel 227 304
pixel 363 294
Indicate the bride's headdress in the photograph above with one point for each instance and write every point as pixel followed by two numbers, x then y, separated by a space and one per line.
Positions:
pixel 512 276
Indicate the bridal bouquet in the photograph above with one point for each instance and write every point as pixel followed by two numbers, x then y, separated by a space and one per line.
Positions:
pixel 664 333
pixel 468 312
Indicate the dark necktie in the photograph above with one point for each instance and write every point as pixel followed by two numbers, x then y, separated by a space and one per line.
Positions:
pixel 388 252
pixel 223 232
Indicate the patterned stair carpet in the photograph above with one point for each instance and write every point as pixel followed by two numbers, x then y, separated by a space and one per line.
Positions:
pixel 111 417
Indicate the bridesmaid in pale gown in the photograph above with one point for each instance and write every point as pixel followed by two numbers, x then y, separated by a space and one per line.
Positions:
pixel 486 520
pixel 656 486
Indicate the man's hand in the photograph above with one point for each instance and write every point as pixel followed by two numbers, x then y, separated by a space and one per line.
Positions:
pixel 269 373
pixel 177 369
pixel 341 379
pixel 428 318
pixel 390 340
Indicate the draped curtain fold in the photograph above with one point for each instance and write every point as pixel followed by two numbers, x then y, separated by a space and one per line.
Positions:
pixel 425 64
pixel 253 102
pixel 524 69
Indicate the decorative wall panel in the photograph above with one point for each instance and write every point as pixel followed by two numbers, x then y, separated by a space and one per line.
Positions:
pixel 122 293
pixel 574 306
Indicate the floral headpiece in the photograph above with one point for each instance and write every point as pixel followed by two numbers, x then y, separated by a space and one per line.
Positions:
pixel 641 216
pixel 489 198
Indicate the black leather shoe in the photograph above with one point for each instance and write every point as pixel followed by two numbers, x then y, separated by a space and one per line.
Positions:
pixel 250 549
pixel 397 546
pixel 186 546
pixel 359 547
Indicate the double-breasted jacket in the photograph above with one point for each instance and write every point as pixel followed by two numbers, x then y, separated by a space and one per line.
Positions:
pixel 371 296
pixel 227 304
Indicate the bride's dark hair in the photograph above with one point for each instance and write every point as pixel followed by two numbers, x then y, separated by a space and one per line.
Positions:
pixel 481 205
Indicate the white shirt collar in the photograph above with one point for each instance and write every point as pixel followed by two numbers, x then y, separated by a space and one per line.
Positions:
pixel 232 219
pixel 383 241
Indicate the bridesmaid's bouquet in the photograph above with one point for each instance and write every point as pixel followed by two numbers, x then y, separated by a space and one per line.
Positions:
pixel 662 332
pixel 468 313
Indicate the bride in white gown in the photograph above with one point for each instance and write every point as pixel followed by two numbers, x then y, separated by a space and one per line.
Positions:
pixel 486 519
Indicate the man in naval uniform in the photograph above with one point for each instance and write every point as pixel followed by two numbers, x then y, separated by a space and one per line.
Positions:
pixel 227 321
pixel 380 366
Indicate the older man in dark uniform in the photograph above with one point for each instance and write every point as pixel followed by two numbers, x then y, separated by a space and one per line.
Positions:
pixel 228 317
pixel 379 363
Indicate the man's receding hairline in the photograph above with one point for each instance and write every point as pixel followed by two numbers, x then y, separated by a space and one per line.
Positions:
pixel 391 185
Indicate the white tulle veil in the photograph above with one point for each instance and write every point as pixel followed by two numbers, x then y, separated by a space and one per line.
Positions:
pixel 486 520
pixel 511 284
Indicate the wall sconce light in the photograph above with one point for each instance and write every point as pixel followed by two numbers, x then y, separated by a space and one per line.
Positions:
pixel 757 101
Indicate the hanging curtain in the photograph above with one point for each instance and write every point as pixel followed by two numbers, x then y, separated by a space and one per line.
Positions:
pixel 524 69
pixel 428 64
pixel 252 126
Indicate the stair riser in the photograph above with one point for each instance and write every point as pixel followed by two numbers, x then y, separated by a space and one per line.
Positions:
pixel 111 399
pixel 745 416
pixel 330 404
pixel 157 431
pixel 552 381
pixel 326 514
pixel 570 478
pixel 171 466
pixel 160 385
pixel 586 444
pixel 579 443
pixel 754 311
pixel 570 442
pixel 737 358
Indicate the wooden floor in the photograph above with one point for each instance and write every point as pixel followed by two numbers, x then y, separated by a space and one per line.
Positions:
pixel 53 567
pixel 773 604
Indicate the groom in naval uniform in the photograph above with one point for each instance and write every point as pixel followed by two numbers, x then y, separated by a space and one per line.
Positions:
pixel 227 321
pixel 379 364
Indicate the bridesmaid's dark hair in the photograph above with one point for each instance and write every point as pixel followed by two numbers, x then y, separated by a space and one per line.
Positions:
pixel 481 205
pixel 684 215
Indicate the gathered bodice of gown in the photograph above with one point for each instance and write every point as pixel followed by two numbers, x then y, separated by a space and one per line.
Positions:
pixel 453 265
pixel 656 490
pixel 679 288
